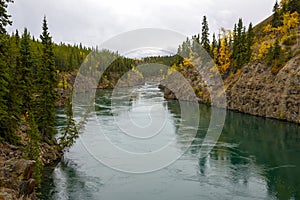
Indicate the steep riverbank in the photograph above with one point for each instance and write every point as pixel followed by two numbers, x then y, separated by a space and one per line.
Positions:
pixel 258 92
pixel 255 90
pixel 16 173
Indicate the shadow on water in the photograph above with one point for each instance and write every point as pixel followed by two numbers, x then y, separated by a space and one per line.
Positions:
pixel 66 182
pixel 250 145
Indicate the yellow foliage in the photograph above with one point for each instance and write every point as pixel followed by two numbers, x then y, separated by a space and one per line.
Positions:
pixel 268 28
pixel 136 71
pixel 200 94
pixel 264 49
pixel 172 69
pixel 222 57
pixel 60 84
pixel 283 2
pixel 290 22
pixel 186 62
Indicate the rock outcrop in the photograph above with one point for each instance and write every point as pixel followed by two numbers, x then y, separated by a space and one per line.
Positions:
pixel 16 181
pixel 255 90
pixel 259 92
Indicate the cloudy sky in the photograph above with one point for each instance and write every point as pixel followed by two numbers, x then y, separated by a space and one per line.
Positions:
pixel 92 22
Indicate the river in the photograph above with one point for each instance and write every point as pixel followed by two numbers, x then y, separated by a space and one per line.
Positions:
pixel 254 158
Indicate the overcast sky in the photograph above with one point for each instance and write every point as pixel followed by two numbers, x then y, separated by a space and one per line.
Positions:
pixel 92 22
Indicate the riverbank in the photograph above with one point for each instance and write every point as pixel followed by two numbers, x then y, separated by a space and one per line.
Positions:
pixel 253 90
pixel 16 173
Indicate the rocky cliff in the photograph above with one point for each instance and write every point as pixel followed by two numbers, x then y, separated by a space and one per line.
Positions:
pixel 16 181
pixel 254 90
pixel 259 92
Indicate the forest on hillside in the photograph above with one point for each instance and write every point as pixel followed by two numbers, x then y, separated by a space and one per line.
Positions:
pixel 273 41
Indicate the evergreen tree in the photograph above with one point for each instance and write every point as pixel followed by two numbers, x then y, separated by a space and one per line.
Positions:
pixel 205 35
pixel 239 45
pixel 17 37
pixel 4 17
pixel 70 132
pixel 294 6
pixel 195 43
pixel 7 120
pixel 24 73
pixel 4 88
pixel 32 151
pixel 276 21
pixel 214 44
pixel 235 41
pixel 186 48
pixel 249 42
pixel 47 82
pixel 275 57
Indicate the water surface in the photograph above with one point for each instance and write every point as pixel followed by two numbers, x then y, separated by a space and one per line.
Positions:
pixel 255 158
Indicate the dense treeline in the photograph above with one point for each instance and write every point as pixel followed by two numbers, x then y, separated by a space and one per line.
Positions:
pixel 67 57
pixel 233 49
pixel 230 50
pixel 157 66
pixel 29 71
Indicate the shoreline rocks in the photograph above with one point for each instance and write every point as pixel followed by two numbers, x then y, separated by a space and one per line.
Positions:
pixel 16 180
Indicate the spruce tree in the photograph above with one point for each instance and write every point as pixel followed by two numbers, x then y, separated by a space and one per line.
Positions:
pixel 205 35
pixel 239 45
pixel 276 22
pixel 294 6
pixel 4 88
pixel 17 38
pixel 24 73
pixel 32 150
pixel 214 45
pixel 275 57
pixel 4 16
pixel 249 43
pixel 7 120
pixel 70 132
pixel 47 82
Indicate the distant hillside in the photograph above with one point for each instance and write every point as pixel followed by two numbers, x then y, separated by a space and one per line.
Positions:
pixel 260 67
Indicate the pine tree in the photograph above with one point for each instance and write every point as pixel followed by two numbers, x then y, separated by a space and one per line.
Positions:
pixel 4 17
pixel 32 151
pixel 235 42
pixel 7 120
pixel 275 57
pixel 24 73
pixel 70 132
pixel 14 100
pixel 294 6
pixel 276 22
pixel 4 87
pixel 214 45
pixel 205 35
pixel 250 38
pixel 17 37
pixel 47 82
pixel 186 48
pixel 195 43
pixel 239 45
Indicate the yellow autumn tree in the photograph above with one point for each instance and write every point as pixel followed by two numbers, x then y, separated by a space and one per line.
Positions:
pixel 290 22
pixel 222 57
pixel 263 50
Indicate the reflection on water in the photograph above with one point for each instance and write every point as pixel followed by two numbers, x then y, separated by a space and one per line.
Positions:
pixel 254 158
